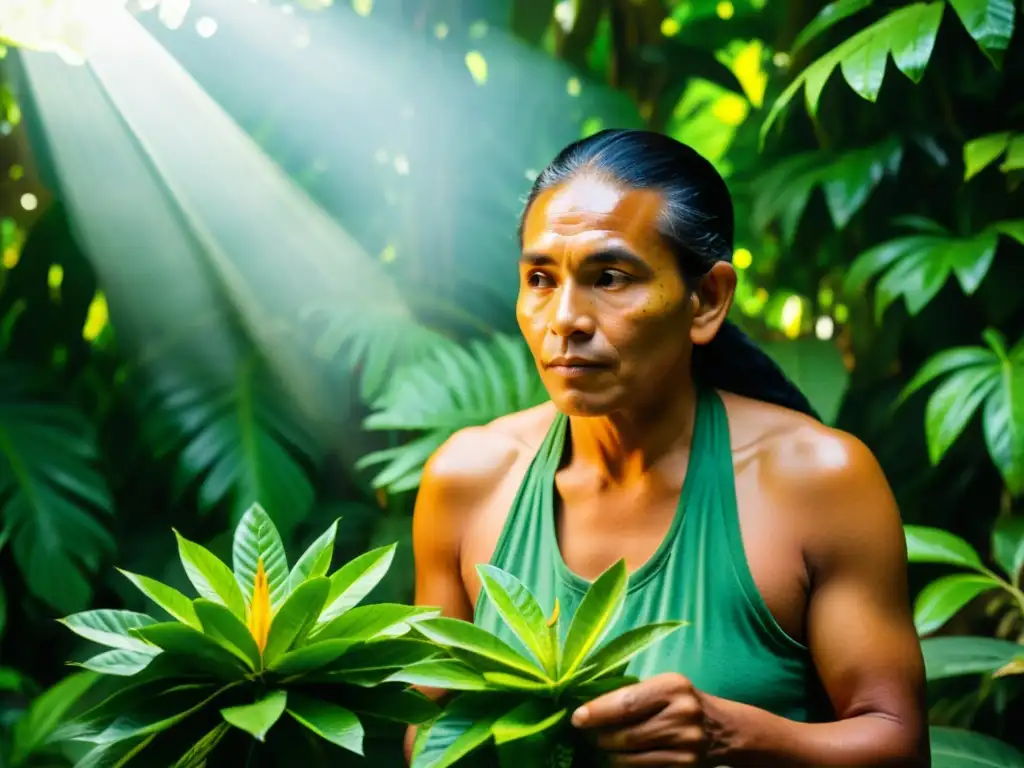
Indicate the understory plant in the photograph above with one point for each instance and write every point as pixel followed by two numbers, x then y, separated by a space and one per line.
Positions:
pixel 259 642
pixel 522 701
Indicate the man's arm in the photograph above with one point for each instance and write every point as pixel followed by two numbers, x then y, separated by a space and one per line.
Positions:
pixel 859 627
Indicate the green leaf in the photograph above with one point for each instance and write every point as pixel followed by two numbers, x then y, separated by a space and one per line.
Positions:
pixel 259 717
pixel 256 538
pixel 1003 424
pixel 591 690
pixel 316 560
pixel 818 370
pixel 828 16
pixel 981 152
pixel 311 657
pixel 1015 227
pixel 478 644
pixel 356 579
pixel 941 599
pixel 159 713
pixel 210 576
pixel 522 614
pixel 513 682
pixel 224 627
pixel 46 712
pixel 168 598
pixel 449 674
pixel 296 617
pixel 194 649
pixel 532 717
pixel 398 706
pixel 944 362
pixel 953 404
pixel 596 615
pixel 934 545
pixel 960 748
pixel 952 656
pixel 464 726
pixel 619 651
pixel 990 23
pixel 876 260
pixel 1008 545
pixel 120 662
pixel 109 627
pixel 368 621
pixel 1014 162
pixel 907 33
pixel 372 662
pixel 328 721
pixel 53 498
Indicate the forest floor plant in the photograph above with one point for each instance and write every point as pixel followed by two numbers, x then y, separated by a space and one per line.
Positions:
pixel 259 642
pixel 523 702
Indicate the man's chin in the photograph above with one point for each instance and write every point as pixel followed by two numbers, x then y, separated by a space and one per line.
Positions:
pixel 584 404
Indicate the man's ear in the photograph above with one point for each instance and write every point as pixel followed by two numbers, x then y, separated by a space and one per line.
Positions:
pixel 712 301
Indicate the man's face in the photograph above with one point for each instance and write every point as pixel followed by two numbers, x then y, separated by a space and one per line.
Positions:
pixel 602 303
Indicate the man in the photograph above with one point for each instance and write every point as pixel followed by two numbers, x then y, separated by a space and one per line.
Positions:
pixel 672 442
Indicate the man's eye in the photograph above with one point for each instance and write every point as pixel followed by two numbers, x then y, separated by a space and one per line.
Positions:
pixel 613 278
pixel 539 280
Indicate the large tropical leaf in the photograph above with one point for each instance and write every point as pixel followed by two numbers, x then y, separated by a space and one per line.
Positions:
pixel 52 498
pixel 454 388
pixel 974 378
pixel 595 616
pixel 990 23
pixel 847 181
pixel 907 34
pixel 522 613
pixel 237 441
pixel 916 267
pixel 981 152
pixel 944 597
pixel 952 656
pixel 257 540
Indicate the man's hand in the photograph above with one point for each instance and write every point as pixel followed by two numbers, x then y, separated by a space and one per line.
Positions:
pixel 657 722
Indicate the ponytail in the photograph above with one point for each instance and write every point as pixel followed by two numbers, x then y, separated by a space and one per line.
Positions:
pixel 734 363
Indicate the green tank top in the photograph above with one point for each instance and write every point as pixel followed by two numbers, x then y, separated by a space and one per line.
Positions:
pixel 732 646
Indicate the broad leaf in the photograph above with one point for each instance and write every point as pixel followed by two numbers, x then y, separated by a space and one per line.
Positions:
pixel 952 656
pixel 530 718
pixel 311 657
pixel 478 643
pixel 464 725
pixel 935 545
pixel 370 663
pixel 594 618
pixel 449 674
pixel 295 618
pixel 316 560
pixel 356 579
pixel 369 621
pixel 952 405
pixel 256 538
pixel 522 614
pixel 1008 545
pixel 944 362
pixel 111 628
pixel 1003 424
pixel 228 631
pixel 193 649
pixel 159 713
pixel 46 712
pixel 120 662
pixel 168 598
pixel 329 721
pixel 409 706
pixel 981 152
pixel 990 23
pixel 53 499
pixel 944 597
pixel 960 748
pixel 511 682
pixel 908 34
pixel 259 717
pixel 210 576
pixel 623 648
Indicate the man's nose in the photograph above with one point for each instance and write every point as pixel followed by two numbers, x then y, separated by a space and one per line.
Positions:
pixel 573 313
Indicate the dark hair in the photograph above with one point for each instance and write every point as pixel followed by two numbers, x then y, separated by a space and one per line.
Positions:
pixel 697 224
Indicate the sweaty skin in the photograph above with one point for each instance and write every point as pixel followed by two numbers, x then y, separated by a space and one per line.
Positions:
pixel 611 323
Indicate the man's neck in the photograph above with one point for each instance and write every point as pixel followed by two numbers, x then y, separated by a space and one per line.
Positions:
pixel 627 444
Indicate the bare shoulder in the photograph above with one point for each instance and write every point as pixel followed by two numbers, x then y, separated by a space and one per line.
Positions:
pixel 471 463
pixel 828 479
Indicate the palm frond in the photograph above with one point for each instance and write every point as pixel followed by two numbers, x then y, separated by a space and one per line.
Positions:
pixel 452 388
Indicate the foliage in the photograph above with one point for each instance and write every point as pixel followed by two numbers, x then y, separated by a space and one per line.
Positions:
pixel 262 640
pixel 510 697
